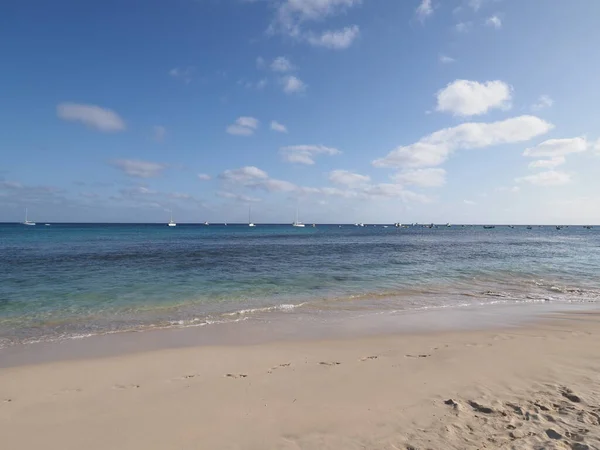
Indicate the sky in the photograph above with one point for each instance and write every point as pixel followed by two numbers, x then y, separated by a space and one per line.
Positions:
pixel 375 111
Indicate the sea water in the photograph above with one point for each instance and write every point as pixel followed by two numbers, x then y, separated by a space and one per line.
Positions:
pixel 67 281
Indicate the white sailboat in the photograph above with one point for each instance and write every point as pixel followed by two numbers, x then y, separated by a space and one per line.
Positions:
pixel 171 222
pixel 250 223
pixel 27 221
pixel 297 223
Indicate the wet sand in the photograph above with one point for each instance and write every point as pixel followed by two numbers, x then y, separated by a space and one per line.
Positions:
pixel 532 386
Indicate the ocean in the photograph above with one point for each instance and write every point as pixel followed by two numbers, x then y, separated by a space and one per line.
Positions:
pixel 67 281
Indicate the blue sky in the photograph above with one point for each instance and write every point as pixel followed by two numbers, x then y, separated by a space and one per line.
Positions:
pixel 356 111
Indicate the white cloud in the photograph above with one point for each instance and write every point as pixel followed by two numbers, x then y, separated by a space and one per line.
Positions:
pixel 238 197
pixel 463 27
pixel 184 75
pixel 159 133
pixel 512 189
pixel 347 178
pixel 424 9
pixel 276 126
pixel 243 126
pixel 494 22
pixel 337 39
pixel 244 174
pixel 291 14
pixel 255 178
pixel 92 116
pixel 394 190
pixel 547 163
pixel 545 101
pixel 475 4
pixel 557 147
pixel 422 177
pixel 292 84
pixel 469 202
pixel 305 154
pixel 204 177
pixel 444 59
pixel 434 149
pixel 273 185
pixel 138 168
pixel 470 98
pixel 282 64
pixel 548 178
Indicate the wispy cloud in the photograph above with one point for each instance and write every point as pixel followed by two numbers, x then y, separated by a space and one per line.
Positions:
pixel 204 177
pixel 494 22
pixel 444 59
pixel 545 101
pixel 276 126
pixel 463 27
pixel 424 10
pixel 335 39
pixel 545 179
pixel 238 197
pixel 182 74
pixel 282 65
pixel 347 178
pixel 431 177
pixel 138 168
pixel 243 126
pixel 293 85
pixel 93 116
pixel 305 154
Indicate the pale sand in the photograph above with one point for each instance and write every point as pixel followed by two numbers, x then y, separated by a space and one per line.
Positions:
pixel 537 386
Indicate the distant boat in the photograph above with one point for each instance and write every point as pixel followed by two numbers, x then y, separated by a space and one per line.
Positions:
pixel 206 223
pixel 529 227
pixel 250 223
pixel 172 222
pixel 314 225
pixel 448 225
pixel 27 221
pixel 297 223
pixel 511 226
pixel 489 227
pixel 558 227
pixel 361 224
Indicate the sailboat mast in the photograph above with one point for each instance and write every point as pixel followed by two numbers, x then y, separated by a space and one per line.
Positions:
pixel 249 214
pixel 25 214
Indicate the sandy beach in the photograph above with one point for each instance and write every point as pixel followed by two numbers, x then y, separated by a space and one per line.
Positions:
pixel 535 386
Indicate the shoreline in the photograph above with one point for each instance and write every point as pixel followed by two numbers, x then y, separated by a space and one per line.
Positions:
pixel 283 326
pixel 527 386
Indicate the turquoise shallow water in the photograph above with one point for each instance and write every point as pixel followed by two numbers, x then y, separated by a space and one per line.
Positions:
pixel 72 280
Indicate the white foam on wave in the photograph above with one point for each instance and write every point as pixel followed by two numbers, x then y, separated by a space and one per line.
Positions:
pixel 282 307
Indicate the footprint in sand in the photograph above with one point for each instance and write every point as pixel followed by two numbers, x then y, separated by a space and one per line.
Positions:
pixel 126 386
pixel 68 391
pixel 280 366
pixel 330 363
pixel 7 400
pixel 235 375
pixel 367 358
pixel 417 356
pixel 569 395
pixel 480 408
